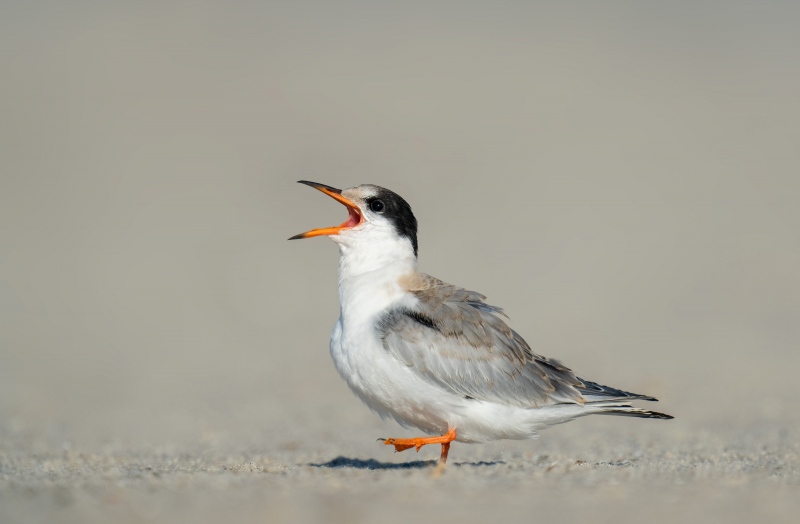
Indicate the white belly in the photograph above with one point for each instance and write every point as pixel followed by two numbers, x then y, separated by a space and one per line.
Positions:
pixel 382 384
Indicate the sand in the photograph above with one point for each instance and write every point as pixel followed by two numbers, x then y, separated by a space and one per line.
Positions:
pixel 613 474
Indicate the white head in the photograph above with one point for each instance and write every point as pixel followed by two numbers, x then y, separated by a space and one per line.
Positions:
pixel 380 228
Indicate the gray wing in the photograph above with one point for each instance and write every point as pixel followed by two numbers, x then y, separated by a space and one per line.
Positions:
pixel 456 341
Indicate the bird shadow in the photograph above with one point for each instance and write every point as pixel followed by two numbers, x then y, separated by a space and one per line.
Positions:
pixel 372 464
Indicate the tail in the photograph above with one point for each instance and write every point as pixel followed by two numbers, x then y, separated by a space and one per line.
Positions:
pixel 630 411
pixel 612 401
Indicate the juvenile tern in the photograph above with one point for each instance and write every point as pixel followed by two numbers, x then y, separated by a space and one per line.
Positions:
pixel 435 356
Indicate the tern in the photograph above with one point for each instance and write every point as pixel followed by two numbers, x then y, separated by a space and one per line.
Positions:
pixel 435 356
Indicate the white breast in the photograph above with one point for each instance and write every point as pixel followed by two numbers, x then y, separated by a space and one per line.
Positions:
pixel 379 380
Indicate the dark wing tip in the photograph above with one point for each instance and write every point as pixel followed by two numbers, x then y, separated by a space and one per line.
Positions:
pixel 600 392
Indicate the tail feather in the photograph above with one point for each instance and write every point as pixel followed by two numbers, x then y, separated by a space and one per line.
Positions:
pixel 630 411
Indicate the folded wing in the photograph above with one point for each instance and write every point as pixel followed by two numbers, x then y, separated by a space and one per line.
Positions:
pixel 456 341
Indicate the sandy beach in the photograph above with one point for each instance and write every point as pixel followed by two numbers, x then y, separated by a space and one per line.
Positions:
pixel 614 473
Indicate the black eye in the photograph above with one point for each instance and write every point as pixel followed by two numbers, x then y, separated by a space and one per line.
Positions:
pixel 376 205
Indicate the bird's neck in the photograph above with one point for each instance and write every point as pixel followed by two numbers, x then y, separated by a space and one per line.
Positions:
pixel 376 254
pixel 370 281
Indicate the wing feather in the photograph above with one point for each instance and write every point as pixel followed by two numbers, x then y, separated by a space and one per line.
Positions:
pixel 457 342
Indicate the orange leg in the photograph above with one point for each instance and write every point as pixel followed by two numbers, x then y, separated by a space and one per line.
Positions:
pixel 402 444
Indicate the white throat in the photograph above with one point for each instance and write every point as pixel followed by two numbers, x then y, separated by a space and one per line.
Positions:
pixel 369 277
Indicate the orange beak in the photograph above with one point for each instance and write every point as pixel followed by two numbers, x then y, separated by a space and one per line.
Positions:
pixel 353 220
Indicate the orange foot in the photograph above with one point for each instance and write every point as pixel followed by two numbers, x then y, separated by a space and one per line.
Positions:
pixel 402 444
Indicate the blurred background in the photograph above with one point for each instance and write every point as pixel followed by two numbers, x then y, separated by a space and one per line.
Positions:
pixel 622 177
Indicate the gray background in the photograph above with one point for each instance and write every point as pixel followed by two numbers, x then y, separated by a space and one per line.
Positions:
pixel 622 177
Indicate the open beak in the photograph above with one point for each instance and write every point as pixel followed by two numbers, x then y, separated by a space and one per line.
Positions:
pixel 353 220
